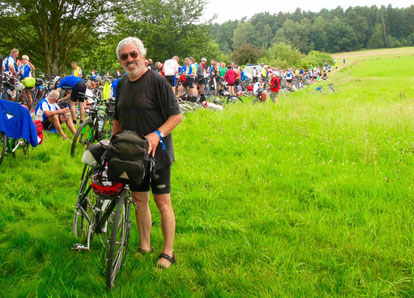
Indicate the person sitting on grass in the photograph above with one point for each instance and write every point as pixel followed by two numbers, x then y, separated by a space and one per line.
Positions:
pixel 52 116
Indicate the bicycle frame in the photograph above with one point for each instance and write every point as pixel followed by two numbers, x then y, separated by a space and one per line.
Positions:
pixel 96 224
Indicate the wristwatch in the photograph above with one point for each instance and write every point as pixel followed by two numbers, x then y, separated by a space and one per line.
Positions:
pixel 162 134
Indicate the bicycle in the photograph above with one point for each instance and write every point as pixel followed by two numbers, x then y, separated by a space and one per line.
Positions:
pixel 11 139
pixel 319 89
pixel 108 217
pixel 331 88
pixel 97 127
pixel 261 95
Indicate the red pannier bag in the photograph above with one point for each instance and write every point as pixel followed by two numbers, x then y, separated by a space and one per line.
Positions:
pixel 39 130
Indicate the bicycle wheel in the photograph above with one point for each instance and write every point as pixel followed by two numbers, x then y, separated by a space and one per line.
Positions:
pixel 16 144
pixel 85 135
pixel 84 208
pixel 3 146
pixel 234 99
pixel 105 129
pixel 119 240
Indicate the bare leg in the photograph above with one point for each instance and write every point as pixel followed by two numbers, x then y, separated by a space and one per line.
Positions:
pixel 143 217
pixel 164 205
pixel 72 106
pixel 55 121
pixel 69 123
pixel 180 89
pixel 82 110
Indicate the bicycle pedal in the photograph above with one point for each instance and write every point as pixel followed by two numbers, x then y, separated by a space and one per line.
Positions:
pixel 79 246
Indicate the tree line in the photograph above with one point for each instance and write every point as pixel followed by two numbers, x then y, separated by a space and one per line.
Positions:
pixel 330 31
pixel 55 32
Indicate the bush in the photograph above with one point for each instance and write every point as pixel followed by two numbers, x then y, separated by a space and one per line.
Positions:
pixel 283 56
pixel 246 53
pixel 317 59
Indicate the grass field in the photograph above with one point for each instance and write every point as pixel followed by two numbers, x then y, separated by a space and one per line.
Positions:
pixel 310 197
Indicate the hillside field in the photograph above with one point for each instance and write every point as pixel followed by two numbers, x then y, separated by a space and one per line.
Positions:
pixel 309 197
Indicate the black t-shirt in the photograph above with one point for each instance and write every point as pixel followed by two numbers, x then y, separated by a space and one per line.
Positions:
pixel 143 106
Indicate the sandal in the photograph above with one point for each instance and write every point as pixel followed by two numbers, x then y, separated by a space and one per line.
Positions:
pixel 170 259
pixel 142 252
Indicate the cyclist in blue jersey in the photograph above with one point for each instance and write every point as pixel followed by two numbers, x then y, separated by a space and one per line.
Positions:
pixel 9 64
pixel 189 70
pixel 75 86
pixel 114 84
pixel 52 116
pixel 26 68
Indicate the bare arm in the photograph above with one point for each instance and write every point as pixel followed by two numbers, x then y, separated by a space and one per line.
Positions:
pixel 32 67
pixel 68 92
pixel 166 128
pixel 116 127
pixel 57 112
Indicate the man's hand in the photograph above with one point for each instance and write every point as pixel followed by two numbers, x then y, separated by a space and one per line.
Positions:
pixel 153 140
pixel 65 110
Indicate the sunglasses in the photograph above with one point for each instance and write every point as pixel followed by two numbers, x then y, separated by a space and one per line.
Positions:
pixel 125 56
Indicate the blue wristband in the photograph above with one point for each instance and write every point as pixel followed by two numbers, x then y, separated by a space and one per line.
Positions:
pixel 162 143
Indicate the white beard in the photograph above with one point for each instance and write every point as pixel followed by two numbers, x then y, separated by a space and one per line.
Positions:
pixel 132 74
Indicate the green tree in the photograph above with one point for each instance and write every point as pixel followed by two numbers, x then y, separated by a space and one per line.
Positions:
pixel 51 31
pixel 359 26
pixel 340 36
pixel 167 28
pixel 244 34
pixel 223 33
pixel 245 54
pixel 377 39
pixel 318 34
pixel 283 56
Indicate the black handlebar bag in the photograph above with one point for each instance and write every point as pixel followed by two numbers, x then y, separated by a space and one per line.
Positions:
pixel 127 153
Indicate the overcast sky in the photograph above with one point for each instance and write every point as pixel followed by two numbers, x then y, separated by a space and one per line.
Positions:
pixel 236 9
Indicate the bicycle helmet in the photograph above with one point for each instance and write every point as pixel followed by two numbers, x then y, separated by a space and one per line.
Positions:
pixel 56 80
pixel 103 187
pixel 203 59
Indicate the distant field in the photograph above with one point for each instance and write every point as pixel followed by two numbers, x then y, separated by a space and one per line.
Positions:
pixel 407 51
pixel 310 197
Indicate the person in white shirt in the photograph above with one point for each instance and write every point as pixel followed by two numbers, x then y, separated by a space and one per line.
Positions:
pixel 255 75
pixel 170 70
pixel 52 116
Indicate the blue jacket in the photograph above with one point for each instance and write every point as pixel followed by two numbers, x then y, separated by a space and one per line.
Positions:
pixel 15 122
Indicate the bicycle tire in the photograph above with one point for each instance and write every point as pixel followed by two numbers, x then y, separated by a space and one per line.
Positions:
pixel 84 135
pixel 119 240
pixel 234 99
pixel 3 146
pixel 85 203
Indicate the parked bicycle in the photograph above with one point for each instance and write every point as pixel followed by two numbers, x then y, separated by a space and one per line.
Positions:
pixel 103 211
pixel 17 130
pixel 98 125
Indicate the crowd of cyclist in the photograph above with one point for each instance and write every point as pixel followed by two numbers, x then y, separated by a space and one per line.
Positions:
pixel 191 80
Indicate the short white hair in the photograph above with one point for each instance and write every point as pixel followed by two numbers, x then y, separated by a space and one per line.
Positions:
pixel 131 40
pixel 54 94
pixel 25 57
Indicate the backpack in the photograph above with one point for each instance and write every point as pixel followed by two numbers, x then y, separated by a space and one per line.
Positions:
pixel 127 154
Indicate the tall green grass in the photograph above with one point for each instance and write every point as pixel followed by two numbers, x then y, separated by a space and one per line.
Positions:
pixel 309 197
